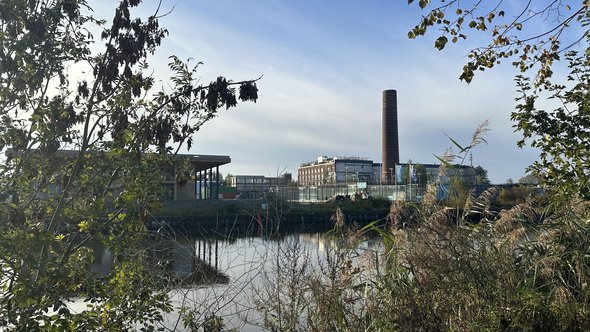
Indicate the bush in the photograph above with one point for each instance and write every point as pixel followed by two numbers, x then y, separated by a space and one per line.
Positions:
pixel 514 195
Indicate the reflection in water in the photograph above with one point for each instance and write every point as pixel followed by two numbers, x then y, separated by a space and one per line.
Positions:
pixel 205 263
pixel 220 274
pixel 188 261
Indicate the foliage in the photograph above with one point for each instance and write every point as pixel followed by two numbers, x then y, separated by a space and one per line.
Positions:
pixel 443 272
pixel 449 274
pixel 530 179
pixel 514 195
pixel 81 160
pixel 421 174
pixel 482 175
pixel 561 135
pixel 324 293
pixel 451 162
pixel 512 31
pixel 458 192
pixel 281 299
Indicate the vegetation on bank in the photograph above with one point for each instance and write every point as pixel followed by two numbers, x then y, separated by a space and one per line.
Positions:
pixel 506 197
pixel 211 209
pixel 502 273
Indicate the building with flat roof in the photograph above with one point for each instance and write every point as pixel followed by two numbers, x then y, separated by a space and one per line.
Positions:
pixel 251 186
pixel 203 181
pixel 415 173
pixel 335 170
pixel 198 180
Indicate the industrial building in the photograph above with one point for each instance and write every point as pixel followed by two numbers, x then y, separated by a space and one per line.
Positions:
pixel 389 178
pixel 335 170
pixel 326 177
pixel 338 170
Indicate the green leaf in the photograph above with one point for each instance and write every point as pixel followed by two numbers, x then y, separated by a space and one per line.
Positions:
pixel 461 148
pixel 423 3
pixel 84 226
pixel 441 42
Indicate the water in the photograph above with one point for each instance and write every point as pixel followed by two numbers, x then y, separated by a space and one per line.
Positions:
pixel 228 277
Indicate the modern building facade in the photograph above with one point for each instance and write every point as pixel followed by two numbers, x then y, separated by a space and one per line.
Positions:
pixel 202 177
pixel 337 170
pixel 250 185
pixel 410 173
pixel 184 176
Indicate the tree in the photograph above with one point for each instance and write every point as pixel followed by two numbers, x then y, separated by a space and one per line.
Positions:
pixel 513 196
pixel 118 127
pixel 512 30
pixel 529 178
pixel 481 175
pixel 413 173
pixel 560 134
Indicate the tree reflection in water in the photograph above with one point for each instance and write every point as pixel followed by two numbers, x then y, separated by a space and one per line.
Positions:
pixel 186 261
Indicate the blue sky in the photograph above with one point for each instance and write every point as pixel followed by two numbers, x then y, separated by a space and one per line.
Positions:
pixel 324 66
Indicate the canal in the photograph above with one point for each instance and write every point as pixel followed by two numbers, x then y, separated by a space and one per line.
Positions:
pixel 232 275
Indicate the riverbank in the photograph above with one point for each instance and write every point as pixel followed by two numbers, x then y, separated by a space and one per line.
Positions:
pixel 263 215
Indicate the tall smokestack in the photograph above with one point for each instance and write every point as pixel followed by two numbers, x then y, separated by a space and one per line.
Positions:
pixel 390 137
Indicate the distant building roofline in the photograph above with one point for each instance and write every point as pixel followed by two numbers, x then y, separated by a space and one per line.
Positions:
pixel 201 161
pixel 326 160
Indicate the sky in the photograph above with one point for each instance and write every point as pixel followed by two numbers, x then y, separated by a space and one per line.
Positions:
pixel 324 65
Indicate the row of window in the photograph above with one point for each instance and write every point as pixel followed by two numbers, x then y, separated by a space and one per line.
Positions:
pixel 241 180
pixel 316 170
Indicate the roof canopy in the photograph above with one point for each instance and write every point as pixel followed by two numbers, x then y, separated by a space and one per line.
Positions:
pixel 200 162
